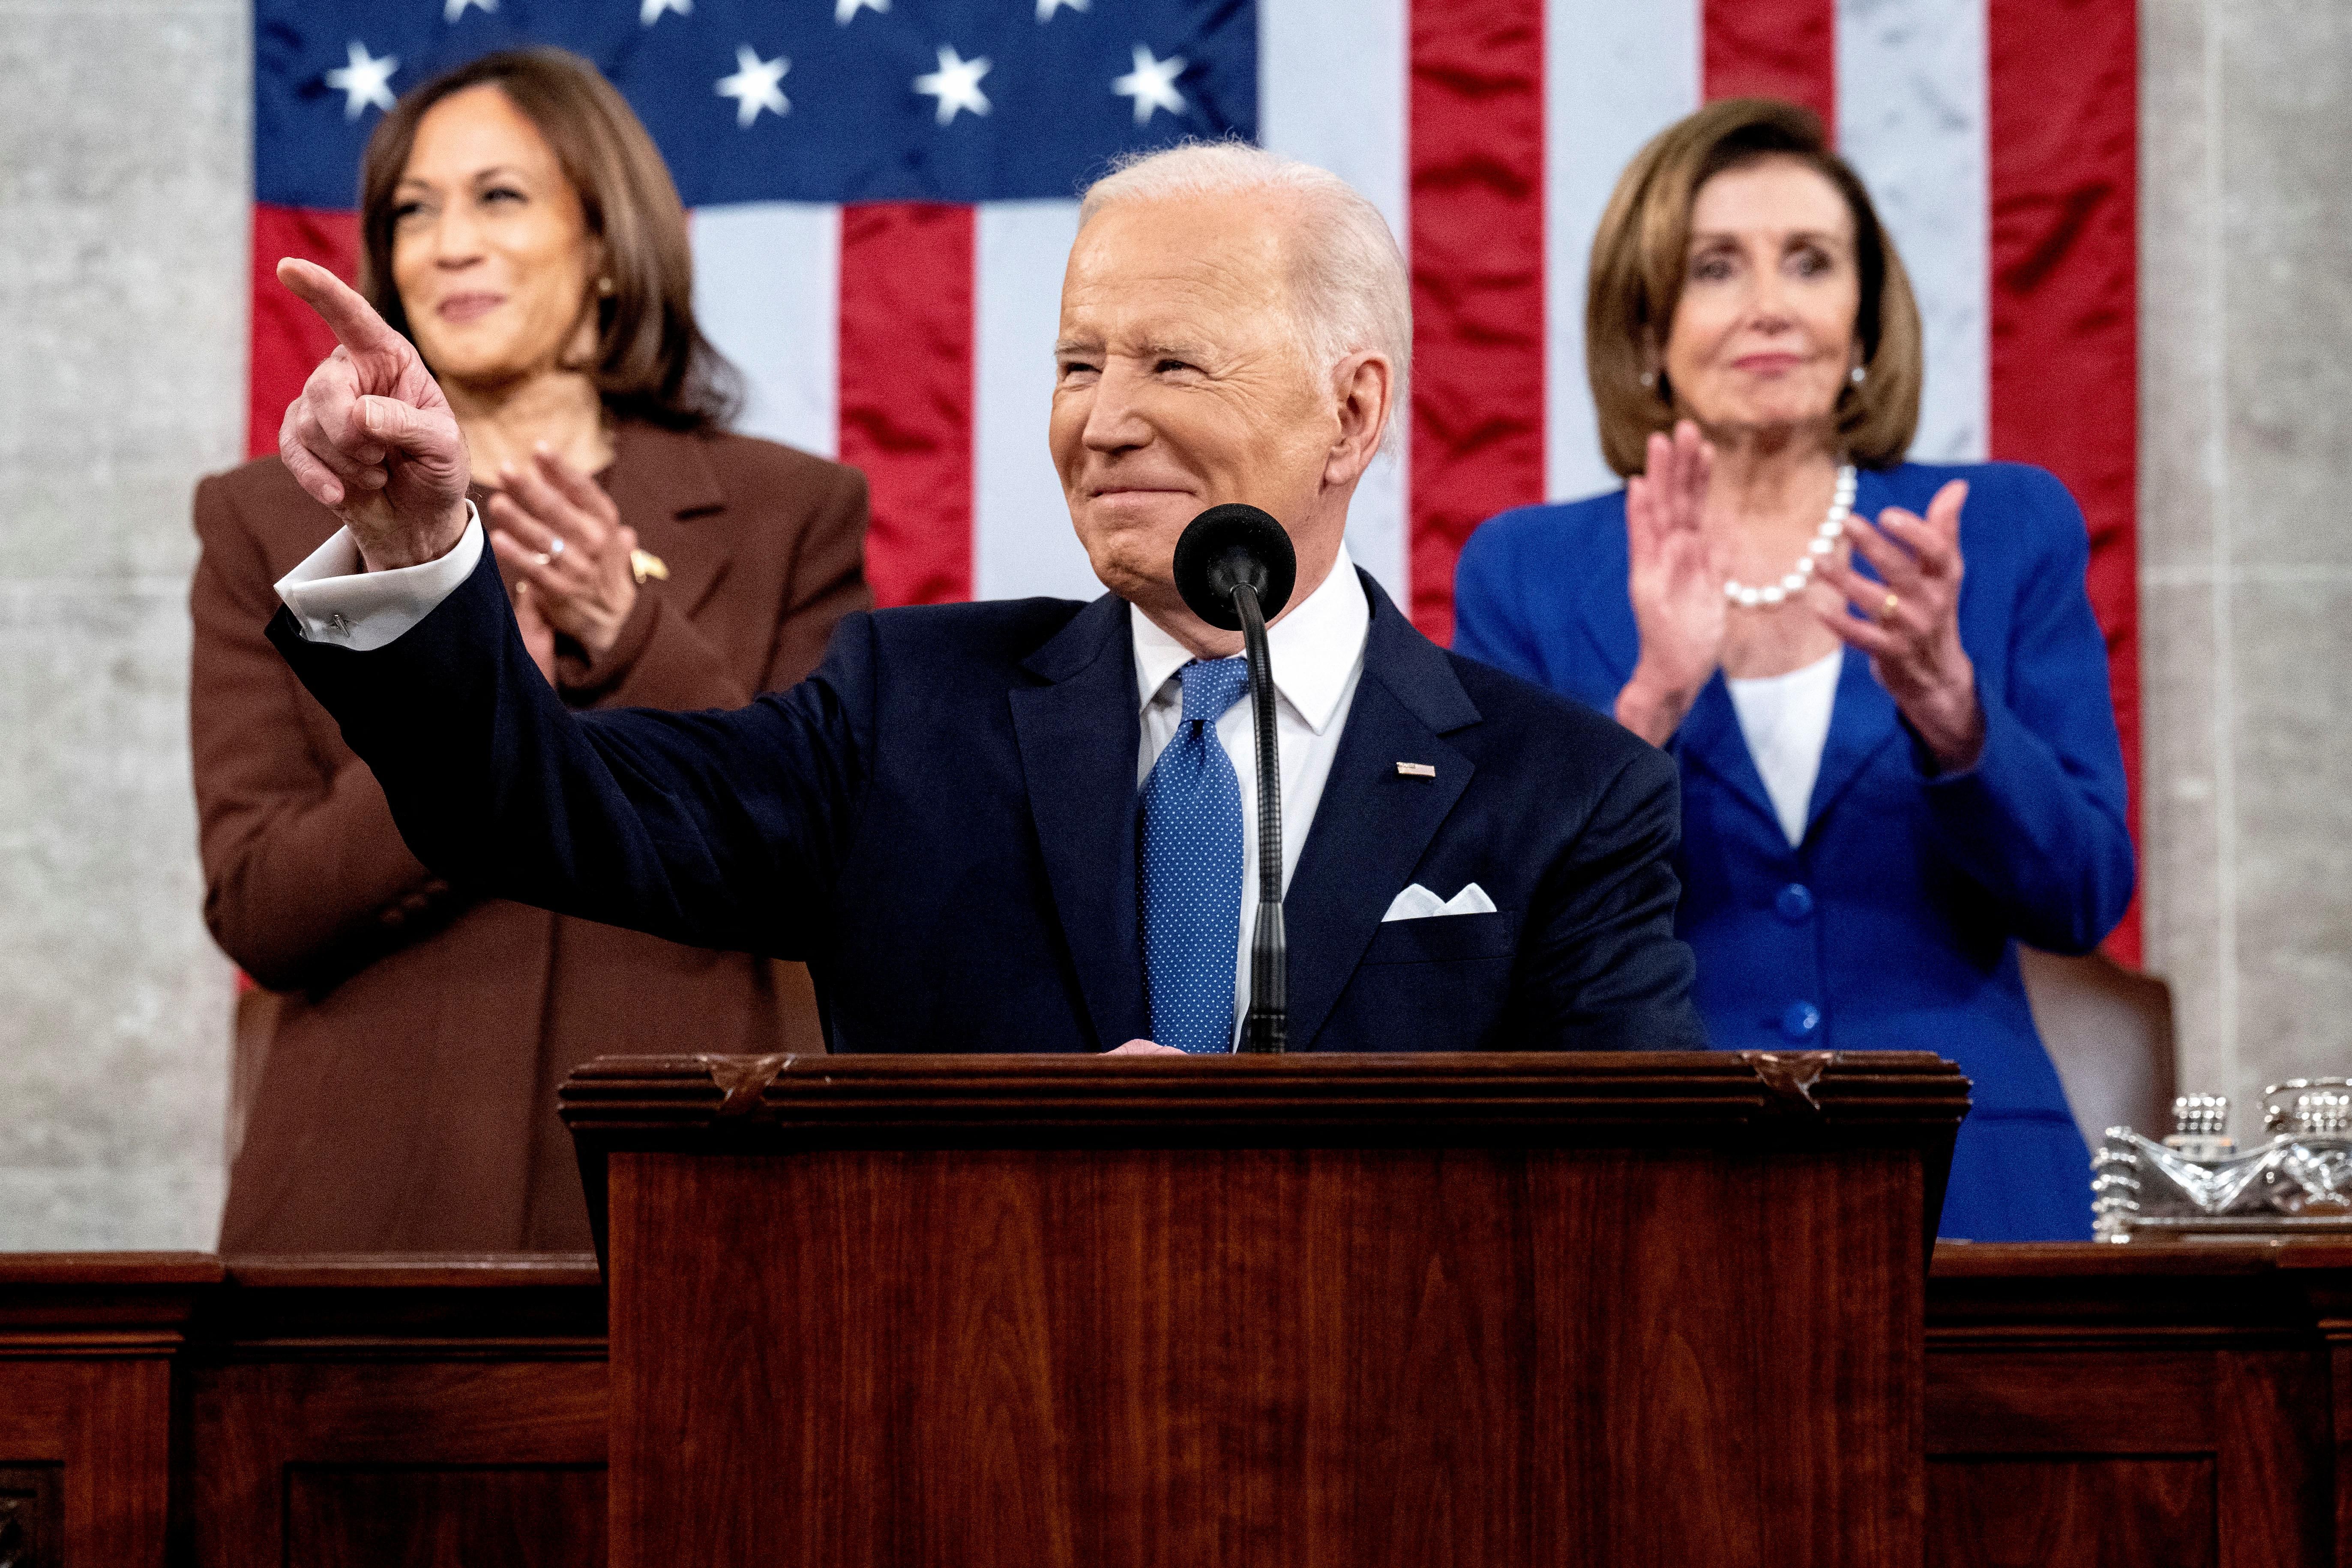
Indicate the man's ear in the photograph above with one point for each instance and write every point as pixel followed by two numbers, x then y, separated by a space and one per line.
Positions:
pixel 1364 390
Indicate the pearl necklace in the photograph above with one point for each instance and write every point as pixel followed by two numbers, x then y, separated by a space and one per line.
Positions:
pixel 1825 538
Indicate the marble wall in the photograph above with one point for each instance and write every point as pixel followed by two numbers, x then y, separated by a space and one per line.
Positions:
pixel 123 238
pixel 2245 548
pixel 123 258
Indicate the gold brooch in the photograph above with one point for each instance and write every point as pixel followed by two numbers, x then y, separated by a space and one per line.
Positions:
pixel 645 564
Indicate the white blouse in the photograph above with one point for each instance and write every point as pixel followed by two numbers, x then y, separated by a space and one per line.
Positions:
pixel 1786 718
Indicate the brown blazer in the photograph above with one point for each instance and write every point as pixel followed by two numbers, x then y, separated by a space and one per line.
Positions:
pixel 407 1101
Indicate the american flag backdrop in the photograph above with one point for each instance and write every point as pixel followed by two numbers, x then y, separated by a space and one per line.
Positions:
pixel 883 192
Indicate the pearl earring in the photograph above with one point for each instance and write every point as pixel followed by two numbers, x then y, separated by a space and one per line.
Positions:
pixel 604 287
pixel 1649 380
pixel 1855 376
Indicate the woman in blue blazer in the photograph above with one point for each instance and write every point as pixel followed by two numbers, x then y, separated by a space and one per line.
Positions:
pixel 1898 755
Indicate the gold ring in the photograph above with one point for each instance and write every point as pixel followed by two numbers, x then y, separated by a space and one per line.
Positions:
pixel 1886 611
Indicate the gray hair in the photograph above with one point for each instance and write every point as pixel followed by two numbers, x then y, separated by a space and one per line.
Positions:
pixel 1349 291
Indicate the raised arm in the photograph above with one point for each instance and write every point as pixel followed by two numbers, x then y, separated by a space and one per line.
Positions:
pixel 715 830
pixel 2039 823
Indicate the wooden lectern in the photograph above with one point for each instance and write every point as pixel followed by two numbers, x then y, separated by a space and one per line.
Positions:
pixel 1482 1309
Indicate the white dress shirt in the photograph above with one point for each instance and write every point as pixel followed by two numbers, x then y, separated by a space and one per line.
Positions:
pixel 335 599
pixel 1318 653
pixel 1786 720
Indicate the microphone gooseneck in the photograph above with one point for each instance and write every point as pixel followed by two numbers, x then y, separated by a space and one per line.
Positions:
pixel 1236 568
pixel 1267 1025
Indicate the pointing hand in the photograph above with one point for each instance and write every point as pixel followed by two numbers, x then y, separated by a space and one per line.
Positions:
pixel 371 438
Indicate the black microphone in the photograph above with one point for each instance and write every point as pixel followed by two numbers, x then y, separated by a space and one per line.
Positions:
pixel 1236 568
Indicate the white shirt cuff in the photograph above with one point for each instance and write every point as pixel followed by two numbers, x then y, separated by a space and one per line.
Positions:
pixel 337 600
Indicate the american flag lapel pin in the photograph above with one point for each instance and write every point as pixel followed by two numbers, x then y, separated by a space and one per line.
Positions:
pixel 1416 770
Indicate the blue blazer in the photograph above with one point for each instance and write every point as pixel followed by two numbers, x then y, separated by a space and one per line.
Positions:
pixel 1894 925
pixel 941 822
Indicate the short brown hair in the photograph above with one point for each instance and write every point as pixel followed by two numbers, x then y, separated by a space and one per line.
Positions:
pixel 651 360
pixel 1641 255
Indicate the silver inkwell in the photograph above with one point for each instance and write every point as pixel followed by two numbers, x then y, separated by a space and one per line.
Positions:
pixel 2195 1185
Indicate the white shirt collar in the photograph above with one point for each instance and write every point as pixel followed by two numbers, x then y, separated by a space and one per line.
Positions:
pixel 1314 649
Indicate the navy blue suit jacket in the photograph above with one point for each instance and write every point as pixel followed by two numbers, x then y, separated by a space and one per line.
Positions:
pixel 1894 924
pixel 942 823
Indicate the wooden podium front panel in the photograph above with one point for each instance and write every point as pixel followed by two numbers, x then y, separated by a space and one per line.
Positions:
pixel 1267 1357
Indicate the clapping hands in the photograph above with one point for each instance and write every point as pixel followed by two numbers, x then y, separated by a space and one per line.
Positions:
pixel 561 542
pixel 1908 621
pixel 1907 618
pixel 1676 585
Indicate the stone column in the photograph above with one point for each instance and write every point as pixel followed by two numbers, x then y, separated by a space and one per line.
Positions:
pixel 123 204
pixel 2245 543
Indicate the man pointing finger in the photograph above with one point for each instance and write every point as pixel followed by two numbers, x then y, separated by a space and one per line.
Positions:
pixel 371 438
pixel 1020 826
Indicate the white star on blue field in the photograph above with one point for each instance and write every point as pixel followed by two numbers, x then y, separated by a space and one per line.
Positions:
pixel 753 86
pixel 944 100
pixel 364 80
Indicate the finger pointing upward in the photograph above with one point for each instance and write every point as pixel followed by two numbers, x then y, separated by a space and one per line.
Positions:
pixel 356 325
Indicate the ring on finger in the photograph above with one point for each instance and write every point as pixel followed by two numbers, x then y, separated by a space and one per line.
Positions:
pixel 542 557
pixel 554 549
pixel 1886 611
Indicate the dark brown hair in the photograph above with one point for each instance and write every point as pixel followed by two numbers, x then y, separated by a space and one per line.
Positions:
pixel 651 361
pixel 1641 255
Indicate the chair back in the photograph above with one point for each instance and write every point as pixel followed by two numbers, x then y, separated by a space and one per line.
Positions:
pixel 2109 1030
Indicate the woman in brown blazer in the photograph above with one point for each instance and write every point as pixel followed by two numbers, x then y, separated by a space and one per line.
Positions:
pixel 519 227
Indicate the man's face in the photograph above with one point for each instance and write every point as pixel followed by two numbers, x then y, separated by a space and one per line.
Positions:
pixel 1180 384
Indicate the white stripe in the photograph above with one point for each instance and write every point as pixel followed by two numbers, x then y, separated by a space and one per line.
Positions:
pixel 1616 73
pixel 767 290
pixel 1023 542
pixel 1331 90
pixel 1912 120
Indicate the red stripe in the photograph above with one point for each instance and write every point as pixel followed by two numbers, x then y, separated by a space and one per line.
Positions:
pixel 287 339
pixel 1773 48
pixel 1476 138
pixel 2061 90
pixel 905 381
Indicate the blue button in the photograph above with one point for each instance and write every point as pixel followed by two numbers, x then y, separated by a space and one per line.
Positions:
pixel 1800 1021
pixel 1794 903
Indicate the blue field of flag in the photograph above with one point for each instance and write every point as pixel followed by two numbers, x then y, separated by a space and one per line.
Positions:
pixel 819 100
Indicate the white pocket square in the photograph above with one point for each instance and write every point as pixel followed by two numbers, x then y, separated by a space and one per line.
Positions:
pixel 1418 902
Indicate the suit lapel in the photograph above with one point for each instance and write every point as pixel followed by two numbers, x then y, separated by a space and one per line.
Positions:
pixel 665 486
pixel 1079 736
pixel 1372 826
pixel 1863 721
pixel 1710 738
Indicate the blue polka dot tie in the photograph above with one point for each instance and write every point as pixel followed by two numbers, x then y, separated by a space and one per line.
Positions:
pixel 1188 878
